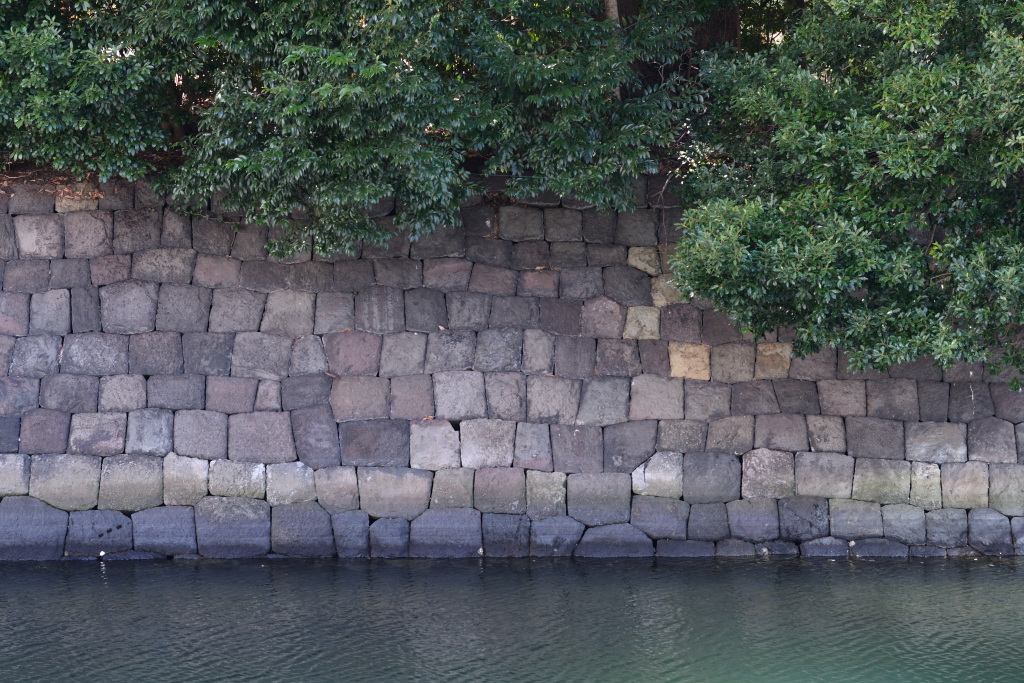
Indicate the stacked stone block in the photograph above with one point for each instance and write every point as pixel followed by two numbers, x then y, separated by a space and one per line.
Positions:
pixel 527 383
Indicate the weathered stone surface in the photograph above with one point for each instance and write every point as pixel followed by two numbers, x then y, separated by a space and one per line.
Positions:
pixel 681 435
pixel 827 475
pixel 656 398
pixel 628 444
pixel 826 433
pixel 260 437
pixel 182 308
pixel 768 474
pixel 990 439
pixel 50 312
pixel 577 448
pixel 394 491
pixel 596 499
pixel 236 310
pixel 754 398
pixel 552 399
pixel 14 474
pixel 555 536
pixel 882 481
pixel 155 353
pixel 389 538
pixel 925 488
pixel 17 395
pixel 240 479
pixel 661 475
pixel 307 391
pixel 825 547
pixel 360 398
pixel 731 434
pixel 969 401
pixel 95 354
pixel 660 517
pixel 781 432
pixel 129 307
pixel 176 392
pixel 1006 488
pixel 500 489
pixel 351 533
pixel 685 549
pixel 39 236
pixel 545 494
pixel 14 313
pixel 1009 404
pixel 753 519
pixel 412 397
pixel 487 443
pixel 316 436
pixel 654 357
pixel 106 270
pixel 843 397
pixel 260 355
pixel 31 529
pixel 35 356
pixel 380 310
pixel 232 527
pixel 803 518
pixel 165 530
pixel 733 362
pixel 904 524
pixel 453 488
pixel 893 399
pixel 708 522
pixel 603 318
pixel 433 445
pixel 97 433
pixel 854 519
pixel 290 482
pixel 185 479
pixel 989 532
pixel 27 276
pixel 337 489
pixel 383 443
pixel 131 482
pixel 878 547
pixel 946 528
pixel 615 540
pixel 506 535
pixel 92 533
pixel 44 431
pixel 869 437
pixel 936 442
pixel 288 313
pixel 150 431
pixel 965 485
pixel 452 532
pixel 773 360
pixel 67 273
pixel 615 357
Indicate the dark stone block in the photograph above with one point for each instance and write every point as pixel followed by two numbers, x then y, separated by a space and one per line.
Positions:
pixel 561 316
pixel 574 357
pixel 530 255
pixel 616 357
pixel 555 536
pixel 563 225
pixel 708 522
pixel 933 400
pixel 514 311
pixel 106 270
pixel 30 276
pixel 176 392
pixel 95 532
pixel 706 401
pixel 615 540
pixel 1009 404
pixel 448 351
pixel 603 318
pixel 442 242
pixel 946 528
pixel 10 431
pixel 69 393
pixel 825 547
pixel 878 547
pixel 681 322
pixel 380 310
pixel 389 538
pixel 136 230
pixel 784 432
pixel 970 401
pixel 208 353
pixel 447 274
pixel 803 518
pixel 412 397
pixel 869 437
pixel 459 395
pixel 31 529
pixel 685 549
pixel 989 532
pixel 29 199
pixel 797 396
pixel 718 329
pixel 498 350
pixel 637 229
pixel 893 399
pixel 353 353
pixel 425 310
pixel 402 354
pixel 491 252
pixel 85 309
pixel 155 353
pixel 312 276
pixel 183 308
pixel 921 369
pixel 754 398
pixel 711 478
pixel 754 520
pixel 301 530
pixel 577 448
pixel 492 280
pixel 351 533
pixel 446 533
pixel 67 273
pixel 552 399
pixel 35 356
pixel 316 436
pixel 628 444
pixel 237 394
pixel 681 436
pixel 506 395
pixel 506 535
pixel 569 255
pixel 383 443
pixel 539 283
pixel 352 275
pixel 129 307
pixel 606 255
pixel 232 527
pixel 169 530
pixel 604 401
pixel 660 517
pixel 468 310
pixel 298 392
pixel 212 236
pixel 479 220
pixel 628 286
pixel 402 273
pixel 44 431
pixel 598 226
pixel 262 437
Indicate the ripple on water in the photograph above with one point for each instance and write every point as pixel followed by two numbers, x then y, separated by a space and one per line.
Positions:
pixel 517 620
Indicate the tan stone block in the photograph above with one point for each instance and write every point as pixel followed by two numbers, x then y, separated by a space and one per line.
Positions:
pixel 664 292
pixel 76 197
pixel 925 486
pixel 642 322
pixel 645 259
pixel 692 361
pixel 773 360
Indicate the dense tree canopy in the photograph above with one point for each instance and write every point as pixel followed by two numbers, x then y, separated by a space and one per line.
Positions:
pixel 325 108
pixel 861 182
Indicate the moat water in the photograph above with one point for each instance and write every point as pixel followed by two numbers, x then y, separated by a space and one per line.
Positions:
pixel 512 621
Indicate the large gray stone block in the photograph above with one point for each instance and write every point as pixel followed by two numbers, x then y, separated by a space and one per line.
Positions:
pixel 44 431
pixel 946 528
pixel 185 479
pixel 904 524
pixel 245 479
pixel 803 518
pixel 389 538
pixel 337 489
pixel 487 443
pixel 201 434
pixel 597 499
pixel 262 356
pixel 97 433
pixel 615 540
pixel 95 354
pixel 31 530
pixel 316 436
pixel 990 439
pixel 661 475
pixel 383 443
pixel 882 481
pixel 660 517
pixel 394 491
pixel 545 494
pixel 768 474
pixel 444 533
pixel 506 535
pixel 131 482
pixel 708 522
pixel 68 482
pixel 936 442
pixel 150 431
pixel 129 307
pixel 500 489
pixel 290 482
pixel 40 236
pixel 711 477
pixel 50 312
pixel 853 519
pixel 301 530
pixel 232 527
pixel 828 475
pixel 35 356
pixel 781 432
pixel 351 533
pixel 92 533
pixel 965 485
pixel 362 398
pixel 1006 489
pixel 870 437
pixel 989 531
pixel 260 437
pixel 459 395
pixel 14 474
pixel 878 547
pixel 753 519
pixel 628 444
pixel 169 530
pixel 825 547
pixel 555 536
pixel 731 434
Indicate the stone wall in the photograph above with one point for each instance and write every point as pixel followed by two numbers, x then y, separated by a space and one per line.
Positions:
pixel 528 384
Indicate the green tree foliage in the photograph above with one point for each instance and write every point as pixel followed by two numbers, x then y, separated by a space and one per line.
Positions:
pixel 318 110
pixel 861 182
